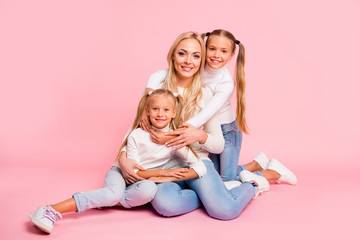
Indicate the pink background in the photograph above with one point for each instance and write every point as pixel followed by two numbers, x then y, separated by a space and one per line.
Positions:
pixel 72 72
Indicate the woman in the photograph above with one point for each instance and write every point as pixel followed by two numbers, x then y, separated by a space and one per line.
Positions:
pixel 186 63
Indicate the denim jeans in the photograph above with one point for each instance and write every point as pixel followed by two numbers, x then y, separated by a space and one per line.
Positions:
pixel 173 199
pixel 226 163
pixel 114 191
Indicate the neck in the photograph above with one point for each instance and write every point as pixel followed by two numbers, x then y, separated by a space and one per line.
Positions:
pixel 165 129
pixel 182 82
pixel 213 70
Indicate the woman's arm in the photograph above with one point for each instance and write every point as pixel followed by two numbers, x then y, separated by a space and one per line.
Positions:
pixel 127 166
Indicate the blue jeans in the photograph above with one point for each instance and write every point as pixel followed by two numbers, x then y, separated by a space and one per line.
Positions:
pixel 173 199
pixel 226 163
pixel 115 191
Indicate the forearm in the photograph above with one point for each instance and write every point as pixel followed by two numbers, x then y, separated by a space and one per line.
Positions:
pixel 152 173
pixel 163 173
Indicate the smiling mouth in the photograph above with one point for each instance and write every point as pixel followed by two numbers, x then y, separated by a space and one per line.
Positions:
pixel 186 69
pixel 215 61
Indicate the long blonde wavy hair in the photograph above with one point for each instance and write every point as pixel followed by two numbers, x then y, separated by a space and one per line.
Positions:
pixel 193 91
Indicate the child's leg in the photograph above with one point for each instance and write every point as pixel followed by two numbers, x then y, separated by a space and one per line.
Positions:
pixel 215 158
pixel 109 195
pixel 229 158
pixel 68 205
pixel 138 194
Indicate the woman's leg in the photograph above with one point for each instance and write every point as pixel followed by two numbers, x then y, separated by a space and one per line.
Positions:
pixel 219 202
pixel 172 199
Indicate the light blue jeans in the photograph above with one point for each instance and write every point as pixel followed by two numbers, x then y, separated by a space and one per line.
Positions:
pixel 173 199
pixel 114 191
pixel 226 163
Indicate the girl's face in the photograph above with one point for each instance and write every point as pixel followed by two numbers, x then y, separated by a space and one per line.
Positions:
pixel 218 51
pixel 160 111
pixel 187 59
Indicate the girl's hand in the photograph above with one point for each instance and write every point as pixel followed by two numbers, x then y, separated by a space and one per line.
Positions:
pixel 127 166
pixel 145 122
pixel 162 179
pixel 187 134
pixel 176 173
pixel 159 137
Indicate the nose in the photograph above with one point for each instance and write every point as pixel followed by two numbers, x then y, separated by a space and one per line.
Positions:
pixel 188 59
pixel 160 113
pixel 216 54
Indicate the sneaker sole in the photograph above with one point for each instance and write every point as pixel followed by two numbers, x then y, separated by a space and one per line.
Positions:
pixel 292 179
pixel 39 224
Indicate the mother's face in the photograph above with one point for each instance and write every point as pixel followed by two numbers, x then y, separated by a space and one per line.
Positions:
pixel 187 59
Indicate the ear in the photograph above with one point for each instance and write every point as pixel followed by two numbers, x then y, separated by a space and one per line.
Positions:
pixel 232 54
pixel 174 113
pixel 147 110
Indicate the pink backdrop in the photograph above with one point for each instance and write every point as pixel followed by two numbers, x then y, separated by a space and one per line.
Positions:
pixel 72 72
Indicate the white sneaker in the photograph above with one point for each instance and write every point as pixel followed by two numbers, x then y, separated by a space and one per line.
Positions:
pixel 262 160
pixel 285 174
pixel 262 182
pixel 232 184
pixel 44 218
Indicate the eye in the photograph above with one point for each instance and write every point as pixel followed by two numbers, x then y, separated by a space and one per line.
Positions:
pixel 196 56
pixel 155 109
pixel 224 51
pixel 166 109
pixel 212 49
pixel 181 53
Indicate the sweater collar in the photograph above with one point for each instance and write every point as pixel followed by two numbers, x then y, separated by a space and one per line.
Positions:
pixel 165 129
pixel 213 71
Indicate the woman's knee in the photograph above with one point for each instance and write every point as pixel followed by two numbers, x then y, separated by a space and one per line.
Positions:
pixel 165 200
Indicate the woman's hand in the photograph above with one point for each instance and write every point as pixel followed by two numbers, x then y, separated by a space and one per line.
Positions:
pixel 159 137
pixel 127 166
pixel 187 134
pixel 145 122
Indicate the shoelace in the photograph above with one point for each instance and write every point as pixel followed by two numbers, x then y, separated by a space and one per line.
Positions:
pixel 52 215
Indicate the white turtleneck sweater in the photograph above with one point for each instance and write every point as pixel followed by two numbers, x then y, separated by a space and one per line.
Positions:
pixel 151 156
pixel 221 85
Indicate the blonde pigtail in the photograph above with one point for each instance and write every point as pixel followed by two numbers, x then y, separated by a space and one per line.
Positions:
pixel 240 90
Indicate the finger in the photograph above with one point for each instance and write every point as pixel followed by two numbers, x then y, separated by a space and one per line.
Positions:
pixel 180 146
pixel 174 140
pixel 176 132
pixel 184 125
pixel 140 168
pixel 175 143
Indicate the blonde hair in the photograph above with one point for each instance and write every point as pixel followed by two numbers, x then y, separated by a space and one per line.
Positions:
pixel 193 91
pixel 145 101
pixel 239 76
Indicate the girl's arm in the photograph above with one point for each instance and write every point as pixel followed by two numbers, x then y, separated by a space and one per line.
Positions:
pixel 159 176
pixel 222 94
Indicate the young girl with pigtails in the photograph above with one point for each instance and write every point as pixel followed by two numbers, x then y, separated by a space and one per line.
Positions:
pixel 163 109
